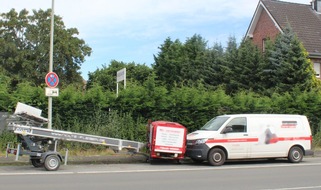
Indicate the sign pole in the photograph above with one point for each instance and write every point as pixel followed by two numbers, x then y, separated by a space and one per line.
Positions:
pixel 124 78
pixel 51 64
pixel 117 89
pixel 121 76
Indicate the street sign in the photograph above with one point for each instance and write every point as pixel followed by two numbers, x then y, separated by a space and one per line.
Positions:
pixel 52 92
pixel 52 79
pixel 121 75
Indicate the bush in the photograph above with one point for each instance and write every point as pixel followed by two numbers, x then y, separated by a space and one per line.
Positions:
pixel 5 137
pixel 107 124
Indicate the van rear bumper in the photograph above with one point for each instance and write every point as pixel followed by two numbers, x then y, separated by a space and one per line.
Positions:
pixel 309 153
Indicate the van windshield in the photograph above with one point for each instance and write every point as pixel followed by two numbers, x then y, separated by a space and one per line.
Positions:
pixel 214 124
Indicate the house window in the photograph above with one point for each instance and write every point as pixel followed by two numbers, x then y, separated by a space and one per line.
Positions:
pixel 263 44
pixel 317 69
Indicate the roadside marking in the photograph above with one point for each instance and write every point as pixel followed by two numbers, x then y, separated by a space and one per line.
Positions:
pixel 36 173
pixel 158 170
pixel 194 169
pixel 295 188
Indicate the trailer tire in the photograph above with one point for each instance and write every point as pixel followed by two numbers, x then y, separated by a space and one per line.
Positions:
pixel 52 163
pixel 295 154
pixel 216 157
pixel 36 163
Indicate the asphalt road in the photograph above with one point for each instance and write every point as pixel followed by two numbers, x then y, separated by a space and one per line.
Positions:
pixel 258 175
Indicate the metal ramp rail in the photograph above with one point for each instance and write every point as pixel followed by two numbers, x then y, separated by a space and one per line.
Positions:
pixel 41 143
pixel 115 144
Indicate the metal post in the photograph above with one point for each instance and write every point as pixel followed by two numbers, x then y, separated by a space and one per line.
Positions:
pixel 56 144
pixel 66 156
pixel 8 148
pixel 51 63
pixel 125 78
pixel 117 89
pixel 18 152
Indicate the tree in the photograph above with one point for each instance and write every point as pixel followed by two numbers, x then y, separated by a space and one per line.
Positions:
pixel 231 63
pixel 215 66
pixel 182 64
pixel 24 47
pixel 168 62
pixel 5 96
pixel 195 62
pixel 289 66
pixel 106 77
pixel 248 68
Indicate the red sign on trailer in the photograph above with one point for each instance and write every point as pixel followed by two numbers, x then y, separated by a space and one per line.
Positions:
pixel 167 140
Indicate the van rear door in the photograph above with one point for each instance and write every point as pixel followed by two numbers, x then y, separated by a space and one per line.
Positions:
pixel 275 135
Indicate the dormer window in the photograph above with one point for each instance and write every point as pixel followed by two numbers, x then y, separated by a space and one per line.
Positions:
pixel 317 69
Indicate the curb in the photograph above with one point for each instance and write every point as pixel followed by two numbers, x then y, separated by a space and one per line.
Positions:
pixel 93 159
pixel 96 159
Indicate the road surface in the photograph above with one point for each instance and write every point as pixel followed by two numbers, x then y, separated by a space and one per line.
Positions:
pixel 256 175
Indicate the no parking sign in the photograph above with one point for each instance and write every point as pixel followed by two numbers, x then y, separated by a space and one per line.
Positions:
pixel 52 79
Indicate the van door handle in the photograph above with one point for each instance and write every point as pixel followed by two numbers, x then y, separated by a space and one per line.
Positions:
pixel 245 135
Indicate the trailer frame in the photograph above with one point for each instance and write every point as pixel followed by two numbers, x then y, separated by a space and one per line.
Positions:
pixel 41 144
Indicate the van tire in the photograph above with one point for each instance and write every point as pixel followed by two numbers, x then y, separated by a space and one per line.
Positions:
pixel 295 154
pixel 216 157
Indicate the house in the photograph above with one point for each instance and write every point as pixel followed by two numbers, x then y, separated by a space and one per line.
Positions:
pixel 272 16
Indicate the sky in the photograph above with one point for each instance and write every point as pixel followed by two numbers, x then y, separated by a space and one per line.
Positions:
pixel 132 30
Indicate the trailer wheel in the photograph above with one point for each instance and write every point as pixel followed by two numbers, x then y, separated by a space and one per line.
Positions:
pixel 52 163
pixel 36 163
pixel 216 157
pixel 295 154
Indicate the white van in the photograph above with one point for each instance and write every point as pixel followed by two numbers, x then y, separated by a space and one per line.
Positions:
pixel 247 136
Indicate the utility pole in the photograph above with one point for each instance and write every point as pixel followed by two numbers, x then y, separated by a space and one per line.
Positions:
pixel 51 63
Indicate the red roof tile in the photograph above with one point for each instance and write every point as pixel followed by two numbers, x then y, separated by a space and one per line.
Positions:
pixel 305 21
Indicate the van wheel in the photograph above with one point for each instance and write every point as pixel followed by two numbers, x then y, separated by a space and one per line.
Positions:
pixel 216 157
pixel 295 154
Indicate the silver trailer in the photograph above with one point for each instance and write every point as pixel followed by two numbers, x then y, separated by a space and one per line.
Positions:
pixel 41 143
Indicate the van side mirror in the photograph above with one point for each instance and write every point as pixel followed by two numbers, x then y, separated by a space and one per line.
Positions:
pixel 227 129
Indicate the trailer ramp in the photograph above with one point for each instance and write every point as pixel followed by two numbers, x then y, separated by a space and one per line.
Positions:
pixel 114 143
pixel 41 143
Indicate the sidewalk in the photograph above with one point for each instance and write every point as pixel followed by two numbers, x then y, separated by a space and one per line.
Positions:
pixel 96 159
pixel 92 159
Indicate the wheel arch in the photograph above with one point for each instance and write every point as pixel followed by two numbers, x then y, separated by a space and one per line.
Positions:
pixel 220 147
pixel 46 154
pixel 297 145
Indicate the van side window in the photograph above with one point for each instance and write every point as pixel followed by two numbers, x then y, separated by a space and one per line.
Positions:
pixel 238 125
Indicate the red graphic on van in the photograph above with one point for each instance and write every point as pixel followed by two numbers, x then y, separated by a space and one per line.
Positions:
pixel 270 137
pixel 289 124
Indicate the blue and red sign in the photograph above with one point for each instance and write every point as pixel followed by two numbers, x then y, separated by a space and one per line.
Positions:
pixel 52 79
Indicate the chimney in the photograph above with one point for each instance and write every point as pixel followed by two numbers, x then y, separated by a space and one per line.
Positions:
pixel 316 5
